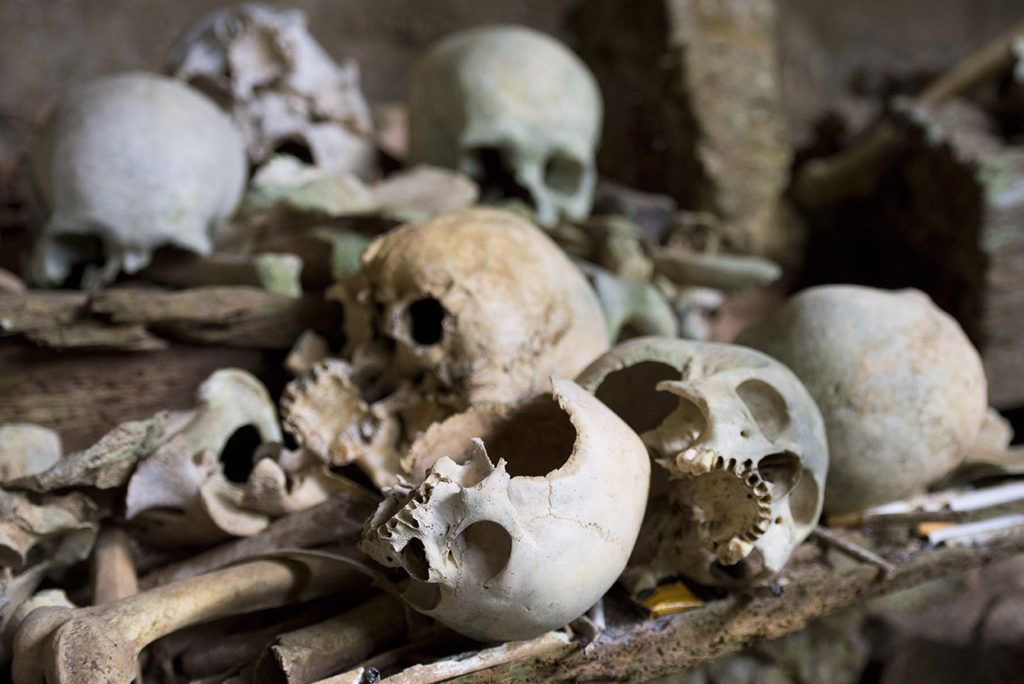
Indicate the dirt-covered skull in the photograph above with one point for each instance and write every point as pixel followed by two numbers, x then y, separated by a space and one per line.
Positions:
pixel 523 518
pixel 513 108
pixel 280 85
pixel 477 307
pixel 129 163
pixel 742 453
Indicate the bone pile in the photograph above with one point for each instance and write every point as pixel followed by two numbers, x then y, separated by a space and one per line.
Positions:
pixel 516 409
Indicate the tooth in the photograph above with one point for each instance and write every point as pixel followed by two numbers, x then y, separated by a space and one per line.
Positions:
pixel 734 551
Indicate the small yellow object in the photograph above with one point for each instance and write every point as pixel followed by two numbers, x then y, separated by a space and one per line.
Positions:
pixel 926 528
pixel 668 598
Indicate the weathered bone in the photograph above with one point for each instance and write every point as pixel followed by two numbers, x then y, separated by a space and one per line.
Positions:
pixel 102 643
pixel 321 649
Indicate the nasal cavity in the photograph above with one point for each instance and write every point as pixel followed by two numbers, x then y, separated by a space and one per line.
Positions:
pixel 426 318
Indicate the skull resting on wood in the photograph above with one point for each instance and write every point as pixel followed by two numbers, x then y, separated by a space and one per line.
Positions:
pixel 742 453
pixel 523 518
pixel 477 307
pixel 900 386
pixel 129 163
pixel 513 108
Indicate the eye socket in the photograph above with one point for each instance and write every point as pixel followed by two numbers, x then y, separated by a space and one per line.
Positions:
pixel 767 407
pixel 496 175
pixel 485 548
pixel 426 317
pixel 563 174
pixel 630 393
pixel 237 455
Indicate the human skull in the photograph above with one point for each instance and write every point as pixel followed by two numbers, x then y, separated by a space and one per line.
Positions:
pixel 524 518
pixel 507 104
pixel 281 86
pixel 129 163
pixel 476 307
pixel 900 386
pixel 742 451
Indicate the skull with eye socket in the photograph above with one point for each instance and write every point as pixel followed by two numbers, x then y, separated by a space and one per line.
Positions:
pixel 473 308
pixel 516 110
pixel 742 453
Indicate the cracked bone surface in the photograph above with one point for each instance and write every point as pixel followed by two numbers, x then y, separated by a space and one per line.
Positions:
pixel 280 85
pixel 514 109
pixel 476 307
pixel 900 386
pixel 102 643
pixel 523 519
pixel 104 149
pixel 741 453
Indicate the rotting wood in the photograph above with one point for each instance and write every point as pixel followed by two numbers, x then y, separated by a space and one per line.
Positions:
pixel 815 584
pixel 82 395
pixel 856 170
pixel 694 89
pixel 135 319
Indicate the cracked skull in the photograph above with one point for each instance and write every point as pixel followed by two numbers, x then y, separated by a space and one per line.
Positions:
pixel 129 163
pixel 477 307
pixel 514 109
pixel 741 450
pixel 523 518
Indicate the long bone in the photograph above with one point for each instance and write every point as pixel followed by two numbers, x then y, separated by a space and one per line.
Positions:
pixel 102 643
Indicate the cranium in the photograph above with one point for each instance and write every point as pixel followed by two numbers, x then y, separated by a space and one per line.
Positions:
pixel 742 454
pixel 900 386
pixel 129 163
pixel 281 86
pixel 476 307
pixel 508 105
pixel 525 517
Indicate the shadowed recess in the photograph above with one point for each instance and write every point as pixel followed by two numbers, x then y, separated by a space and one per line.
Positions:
pixel 535 440
pixel 563 174
pixel 484 548
pixel 236 456
pixel 766 406
pixel 781 471
pixel 426 316
pixel 630 393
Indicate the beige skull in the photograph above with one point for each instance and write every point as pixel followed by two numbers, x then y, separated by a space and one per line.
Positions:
pixel 525 517
pixel 476 307
pixel 742 455
pixel 511 106
pixel 900 386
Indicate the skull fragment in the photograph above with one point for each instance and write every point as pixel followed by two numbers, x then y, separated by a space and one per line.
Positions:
pixel 513 108
pixel 524 517
pixel 476 307
pixel 282 88
pixel 900 386
pixel 742 453
pixel 126 164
